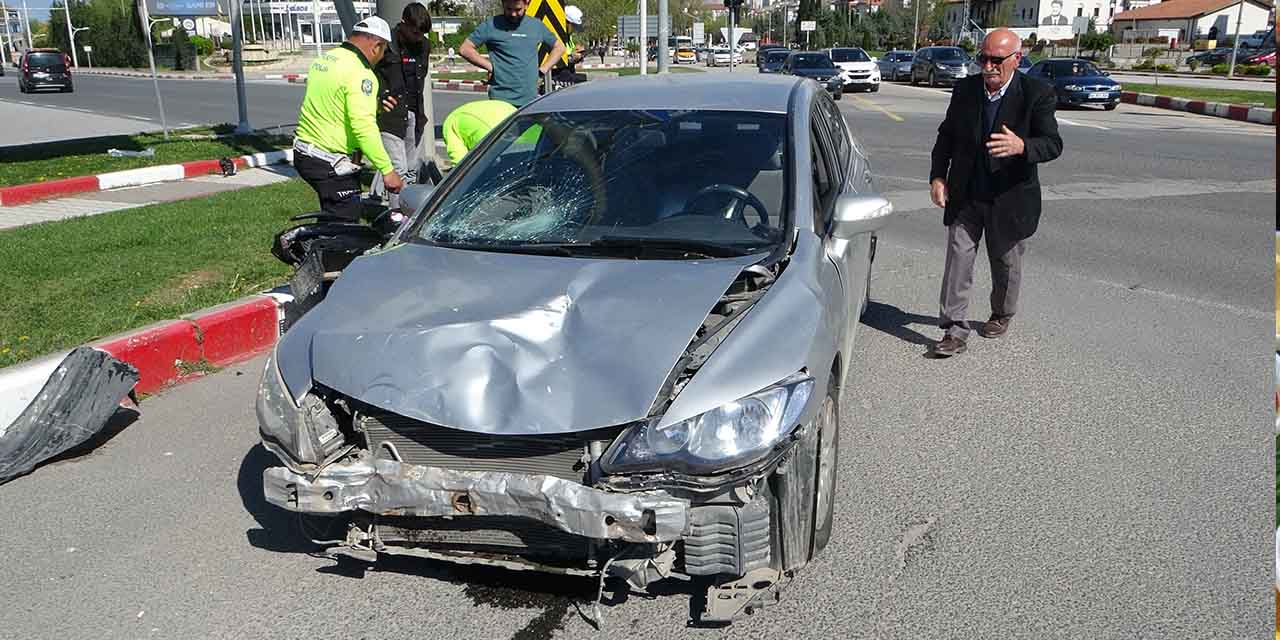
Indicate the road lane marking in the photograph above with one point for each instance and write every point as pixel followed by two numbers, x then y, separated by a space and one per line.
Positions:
pixel 1081 124
pixel 892 116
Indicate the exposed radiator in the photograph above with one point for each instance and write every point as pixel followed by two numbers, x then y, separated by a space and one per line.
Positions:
pixel 422 443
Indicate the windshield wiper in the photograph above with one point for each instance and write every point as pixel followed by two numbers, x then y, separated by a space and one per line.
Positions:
pixel 530 248
pixel 695 247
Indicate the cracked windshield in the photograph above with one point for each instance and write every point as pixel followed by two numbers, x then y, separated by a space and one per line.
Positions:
pixel 582 181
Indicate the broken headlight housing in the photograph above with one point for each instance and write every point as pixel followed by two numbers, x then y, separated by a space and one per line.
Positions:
pixel 732 435
pixel 307 434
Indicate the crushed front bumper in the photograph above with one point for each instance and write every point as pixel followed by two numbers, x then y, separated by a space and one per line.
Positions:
pixel 391 488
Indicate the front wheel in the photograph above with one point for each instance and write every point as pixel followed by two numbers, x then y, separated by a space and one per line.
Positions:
pixel 914 82
pixel 1111 106
pixel 828 456
pixel 875 88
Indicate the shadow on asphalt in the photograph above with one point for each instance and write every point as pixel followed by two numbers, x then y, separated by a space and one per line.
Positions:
pixel 279 530
pixel 894 321
pixel 119 421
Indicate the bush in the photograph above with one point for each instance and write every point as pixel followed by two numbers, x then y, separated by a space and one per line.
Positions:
pixel 967 46
pixel 1257 70
pixel 1145 65
pixel 1193 65
pixel 1164 68
pixel 204 46
pixel 1221 69
pixel 1152 52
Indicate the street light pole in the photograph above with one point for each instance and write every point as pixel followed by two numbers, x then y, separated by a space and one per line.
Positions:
pixel 151 57
pixel 644 37
pixel 915 33
pixel 71 35
pixel 1235 44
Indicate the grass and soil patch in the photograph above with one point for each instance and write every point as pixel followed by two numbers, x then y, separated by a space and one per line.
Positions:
pixel 1233 96
pixel 70 158
pixel 73 281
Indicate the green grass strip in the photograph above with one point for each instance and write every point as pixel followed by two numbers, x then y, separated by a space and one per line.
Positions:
pixel 67 159
pixel 69 282
pixel 1233 96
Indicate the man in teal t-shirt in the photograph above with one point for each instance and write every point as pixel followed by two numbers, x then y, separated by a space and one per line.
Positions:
pixel 512 40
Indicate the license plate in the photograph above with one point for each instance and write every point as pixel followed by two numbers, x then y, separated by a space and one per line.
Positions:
pixel 1099 96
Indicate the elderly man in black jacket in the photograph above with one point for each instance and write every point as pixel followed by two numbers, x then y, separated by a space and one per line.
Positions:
pixel 998 127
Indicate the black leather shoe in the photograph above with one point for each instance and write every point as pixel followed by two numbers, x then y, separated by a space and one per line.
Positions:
pixel 949 346
pixel 995 327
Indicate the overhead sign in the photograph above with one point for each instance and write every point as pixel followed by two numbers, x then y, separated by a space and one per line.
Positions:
pixel 808 25
pixel 183 7
pixel 699 33
pixel 551 13
pixel 629 27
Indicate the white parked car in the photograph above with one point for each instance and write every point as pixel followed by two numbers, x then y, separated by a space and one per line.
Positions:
pixel 858 70
pixel 720 57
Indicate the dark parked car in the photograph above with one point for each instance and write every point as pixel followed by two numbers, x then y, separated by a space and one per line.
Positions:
pixel 44 69
pixel 817 66
pixel 764 49
pixel 1024 64
pixel 772 60
pixel 941 65
pixel 1221 55
pixel 1078 82
pixel 895 65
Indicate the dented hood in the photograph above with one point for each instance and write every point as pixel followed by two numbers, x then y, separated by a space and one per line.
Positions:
pixel 504 343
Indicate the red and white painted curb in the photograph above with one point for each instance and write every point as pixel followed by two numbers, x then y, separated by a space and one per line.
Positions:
pixel 1243 113
pixel 459 85
pixel 24 193
pixel 166 353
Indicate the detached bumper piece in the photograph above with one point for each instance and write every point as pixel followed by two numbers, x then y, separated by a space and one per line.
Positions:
pixel 391 488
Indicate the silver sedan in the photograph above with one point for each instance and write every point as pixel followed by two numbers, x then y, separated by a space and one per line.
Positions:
pixel 611 343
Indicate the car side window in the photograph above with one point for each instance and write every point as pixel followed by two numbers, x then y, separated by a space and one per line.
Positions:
pixel 825 174
pixel 839 133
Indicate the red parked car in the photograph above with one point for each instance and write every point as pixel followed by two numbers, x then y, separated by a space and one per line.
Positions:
pixel 1263 57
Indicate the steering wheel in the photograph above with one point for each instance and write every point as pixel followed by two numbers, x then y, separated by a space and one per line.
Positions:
pixel 742 198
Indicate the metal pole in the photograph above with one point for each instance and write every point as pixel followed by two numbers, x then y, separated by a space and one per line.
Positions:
pixel 237 64
pixel 7 39
pixel 71 35
pixel 644 37
pixel 1235 44
pixel 26 23
pixel 151 57
pixel 315 24
pixel 732 48
pixel 915 33
pixel 664 32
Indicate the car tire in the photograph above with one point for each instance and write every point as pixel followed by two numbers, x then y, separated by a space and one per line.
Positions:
pixel 914 82
pixel 828 457
pixel 838 94
pixel 875 88
pixel 1111 106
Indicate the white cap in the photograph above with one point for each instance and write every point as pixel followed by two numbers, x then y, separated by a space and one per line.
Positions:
pixel 573 15
pixel 374 26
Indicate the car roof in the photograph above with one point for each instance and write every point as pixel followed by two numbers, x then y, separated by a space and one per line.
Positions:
pixel 676 91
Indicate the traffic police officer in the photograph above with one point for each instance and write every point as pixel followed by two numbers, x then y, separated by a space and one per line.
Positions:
pixel 338 121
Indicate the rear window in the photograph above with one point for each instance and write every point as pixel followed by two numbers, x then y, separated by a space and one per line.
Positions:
pixel 776 56
pixel 45 59
pixel 899 57
pixel 849 55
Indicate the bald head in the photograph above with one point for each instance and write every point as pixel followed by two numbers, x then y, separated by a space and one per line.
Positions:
pixel 1001 51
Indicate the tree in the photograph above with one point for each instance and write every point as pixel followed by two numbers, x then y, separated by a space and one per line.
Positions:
pixel 181 49
pixel 1094 41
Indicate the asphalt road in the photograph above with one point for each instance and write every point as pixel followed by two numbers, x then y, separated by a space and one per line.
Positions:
pixel 186 102
pixel 1102 472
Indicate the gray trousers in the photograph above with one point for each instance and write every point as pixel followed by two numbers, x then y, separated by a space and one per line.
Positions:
pixel 404 158
pixel 1004 252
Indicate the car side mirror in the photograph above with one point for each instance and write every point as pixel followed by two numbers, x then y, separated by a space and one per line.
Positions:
pixel 859 214
pixel 1106 73
pixel 413 198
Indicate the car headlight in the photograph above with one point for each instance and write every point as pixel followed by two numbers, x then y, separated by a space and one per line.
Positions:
pixel 1074 87
pixel 307 433
pixel 1117 88
pixel 732 435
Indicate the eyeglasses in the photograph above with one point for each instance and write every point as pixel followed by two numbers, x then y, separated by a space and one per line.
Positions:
pixel 995 60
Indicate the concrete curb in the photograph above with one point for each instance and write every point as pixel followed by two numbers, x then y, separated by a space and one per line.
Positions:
pixel 24 193
pixel 1243 113
pixel 166 353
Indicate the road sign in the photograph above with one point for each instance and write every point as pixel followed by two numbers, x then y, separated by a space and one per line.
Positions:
pixel 1079 25
pixel 551 12
pixel 808 25
pixel 182 7
pixel 189 24
pixel 699 33
pixel 88 49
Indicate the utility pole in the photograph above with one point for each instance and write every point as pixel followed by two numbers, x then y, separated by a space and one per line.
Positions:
pixel 664 34
pixel 237 64
pixel 26 24
pixel 915 33
pixel 644 37
pixel 151 57
pixel 7 39
pixel 1235 43
pixel 71 35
